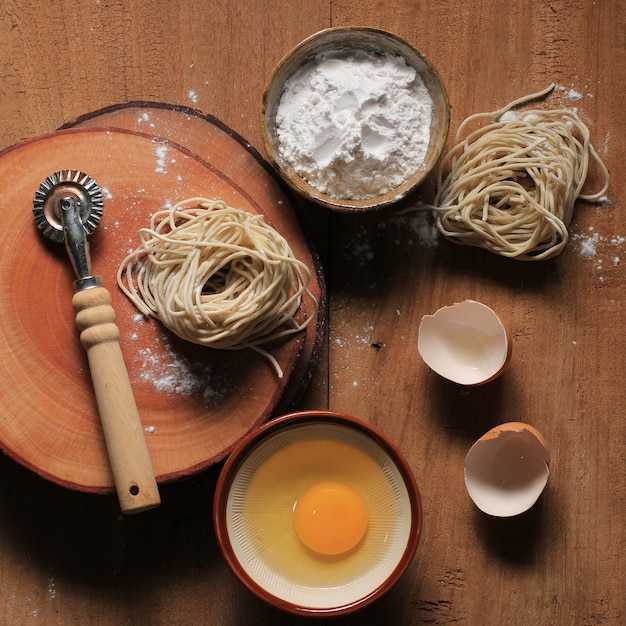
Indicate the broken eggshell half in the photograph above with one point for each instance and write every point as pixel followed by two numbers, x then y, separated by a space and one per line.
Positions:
pixel 507 469
pixel 465 342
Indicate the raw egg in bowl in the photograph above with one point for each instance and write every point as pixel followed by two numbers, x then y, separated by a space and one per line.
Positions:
pixel 317 513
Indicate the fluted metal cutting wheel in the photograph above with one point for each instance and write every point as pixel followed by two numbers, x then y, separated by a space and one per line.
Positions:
pixel 86 193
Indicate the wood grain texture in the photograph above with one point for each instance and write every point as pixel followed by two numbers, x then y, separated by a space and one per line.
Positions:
pixel 195 404
pixel 66 558
pixel 220 147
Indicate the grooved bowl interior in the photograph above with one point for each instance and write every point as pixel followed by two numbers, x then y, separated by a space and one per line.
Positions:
pixel 353 38
pixel 262 484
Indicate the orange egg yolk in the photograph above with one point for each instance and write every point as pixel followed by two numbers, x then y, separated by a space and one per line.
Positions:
pixel 330 518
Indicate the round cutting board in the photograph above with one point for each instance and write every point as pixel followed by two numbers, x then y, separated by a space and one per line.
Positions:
pixel 195 403
pixel 225 150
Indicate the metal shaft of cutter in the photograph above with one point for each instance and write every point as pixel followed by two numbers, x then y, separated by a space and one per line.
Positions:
pixel 76 244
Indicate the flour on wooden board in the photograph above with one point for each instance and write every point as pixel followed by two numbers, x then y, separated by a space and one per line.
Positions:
pixel 170 373
pixel 599 248
pixel 174 374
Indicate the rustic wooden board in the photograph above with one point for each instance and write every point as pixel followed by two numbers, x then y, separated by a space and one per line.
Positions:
pixel 222 148
pixel 67 558
pixel 195 403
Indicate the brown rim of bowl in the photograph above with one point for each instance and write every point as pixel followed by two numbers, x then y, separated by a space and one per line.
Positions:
pixel 250 442
pixel 286 171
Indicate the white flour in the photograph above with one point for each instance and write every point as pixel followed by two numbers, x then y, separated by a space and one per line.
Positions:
pixel 354 124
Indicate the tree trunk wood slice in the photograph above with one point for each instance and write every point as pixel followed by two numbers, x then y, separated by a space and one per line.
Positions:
pixel 195 403
pixel 225 150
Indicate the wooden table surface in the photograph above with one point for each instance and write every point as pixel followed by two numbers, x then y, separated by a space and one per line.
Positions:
pixel 70 558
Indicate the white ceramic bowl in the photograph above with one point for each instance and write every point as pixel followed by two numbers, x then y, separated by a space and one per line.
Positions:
pixel 263 482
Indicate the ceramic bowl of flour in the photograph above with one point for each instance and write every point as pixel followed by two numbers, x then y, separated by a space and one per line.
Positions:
pixel 354 118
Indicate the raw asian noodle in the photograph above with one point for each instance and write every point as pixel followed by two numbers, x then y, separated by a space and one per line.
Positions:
pixel 512 183
pixel 217 276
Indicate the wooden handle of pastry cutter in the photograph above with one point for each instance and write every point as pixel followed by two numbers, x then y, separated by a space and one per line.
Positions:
pixel 135 483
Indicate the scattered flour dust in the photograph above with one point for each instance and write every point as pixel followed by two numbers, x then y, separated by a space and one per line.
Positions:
pixel 572 93
pixel 412 228
pixel 362 337
pixel 593 246
pixel 418 225
pixel 172 373
pixel 354 123
pixel 161 158
pixel 52 588
pixel 144 118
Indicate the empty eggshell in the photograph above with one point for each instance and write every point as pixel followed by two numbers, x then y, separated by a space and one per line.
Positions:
pixel 507 469
pixel 466 343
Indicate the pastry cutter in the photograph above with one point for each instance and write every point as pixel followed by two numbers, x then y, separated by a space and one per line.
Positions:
pixel 67 207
